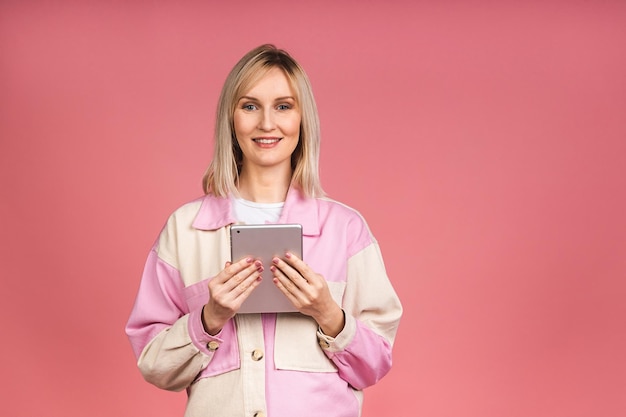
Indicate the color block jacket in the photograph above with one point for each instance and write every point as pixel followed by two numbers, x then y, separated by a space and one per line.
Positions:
pixel 277 365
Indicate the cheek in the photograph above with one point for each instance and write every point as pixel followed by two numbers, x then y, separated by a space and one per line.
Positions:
pixel 294 127
pixel 242 124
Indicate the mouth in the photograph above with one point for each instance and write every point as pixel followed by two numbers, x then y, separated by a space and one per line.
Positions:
pixel 266 141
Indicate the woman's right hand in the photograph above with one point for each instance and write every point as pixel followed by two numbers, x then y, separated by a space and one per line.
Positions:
pixel 227 292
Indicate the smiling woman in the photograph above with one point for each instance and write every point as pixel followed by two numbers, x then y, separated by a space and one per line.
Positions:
pixel 267 127
pixel 222 176
pixel 186 327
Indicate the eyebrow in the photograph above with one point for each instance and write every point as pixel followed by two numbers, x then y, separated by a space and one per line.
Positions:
pixel 276 99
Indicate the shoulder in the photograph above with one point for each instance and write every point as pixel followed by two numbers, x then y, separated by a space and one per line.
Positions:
pixel 339 210
pixel 190 207
pixel 205 213
pixel 188 210
pixel 346 218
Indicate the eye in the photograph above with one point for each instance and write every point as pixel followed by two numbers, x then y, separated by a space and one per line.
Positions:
pixel 248 106
pixel 283 107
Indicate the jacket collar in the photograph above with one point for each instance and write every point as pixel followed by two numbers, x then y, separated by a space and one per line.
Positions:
pixel 216 212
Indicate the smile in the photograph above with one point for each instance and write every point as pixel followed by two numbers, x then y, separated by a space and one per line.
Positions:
pixel 266 141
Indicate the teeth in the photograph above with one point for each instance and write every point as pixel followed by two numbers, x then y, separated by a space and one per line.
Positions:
pixel 266 141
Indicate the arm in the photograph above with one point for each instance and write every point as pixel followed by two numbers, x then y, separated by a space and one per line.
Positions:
pixel 362 350
pixel 359 337
pixel 169 341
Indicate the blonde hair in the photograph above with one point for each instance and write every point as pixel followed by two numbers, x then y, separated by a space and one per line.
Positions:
pixel 222 174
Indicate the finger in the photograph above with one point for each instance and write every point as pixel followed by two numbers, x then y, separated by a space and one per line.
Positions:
pixel 243 290
pixel 291 271
pixel 243 274
pixel 226 293
pixel 295 262
pixel 289 278
pixel 231 268
pixel 287 287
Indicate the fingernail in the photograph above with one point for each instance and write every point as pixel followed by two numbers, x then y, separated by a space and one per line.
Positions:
pixel 287 254
pixel 258 263
pixel 275 260
pixel 249 260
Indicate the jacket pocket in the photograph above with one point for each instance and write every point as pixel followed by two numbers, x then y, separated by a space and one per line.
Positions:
pixel 297 347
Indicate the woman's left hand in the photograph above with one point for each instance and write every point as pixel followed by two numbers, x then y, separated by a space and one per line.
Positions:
pixel 308 292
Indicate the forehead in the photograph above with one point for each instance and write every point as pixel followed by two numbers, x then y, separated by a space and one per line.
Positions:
pixel 269 82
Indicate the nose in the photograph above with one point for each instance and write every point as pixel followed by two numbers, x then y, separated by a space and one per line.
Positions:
pixel 267 122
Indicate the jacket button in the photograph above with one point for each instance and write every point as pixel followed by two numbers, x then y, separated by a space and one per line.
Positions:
pixel 324 344
pixel 259 414
pixel 212 345
pixel 257 355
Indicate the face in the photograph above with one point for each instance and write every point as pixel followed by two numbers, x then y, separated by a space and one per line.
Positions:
pixel 267 123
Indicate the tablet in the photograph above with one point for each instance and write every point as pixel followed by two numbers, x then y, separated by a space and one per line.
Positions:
pixel 264 242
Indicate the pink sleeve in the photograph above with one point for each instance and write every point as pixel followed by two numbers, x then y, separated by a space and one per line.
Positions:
pixel 361 356
pixel 362 351
pixel 168 340
pixel 159 302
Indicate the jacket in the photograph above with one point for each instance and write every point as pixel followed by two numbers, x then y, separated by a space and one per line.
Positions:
pixel 278 365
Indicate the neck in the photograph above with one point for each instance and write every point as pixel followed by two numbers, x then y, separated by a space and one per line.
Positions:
pixel 264 186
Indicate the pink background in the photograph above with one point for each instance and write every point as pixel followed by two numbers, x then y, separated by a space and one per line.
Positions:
pixel 484 142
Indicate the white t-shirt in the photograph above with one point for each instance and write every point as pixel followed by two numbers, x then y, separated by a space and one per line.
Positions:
pixel 251 212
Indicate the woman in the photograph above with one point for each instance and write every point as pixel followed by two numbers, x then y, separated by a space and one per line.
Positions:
pixel 184 327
